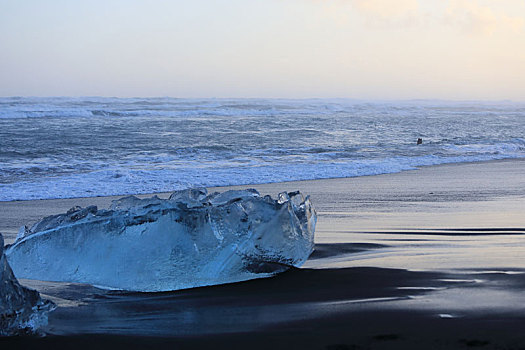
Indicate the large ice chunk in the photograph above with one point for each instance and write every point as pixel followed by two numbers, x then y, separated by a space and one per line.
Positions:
pixel 21 309
pixel 191 239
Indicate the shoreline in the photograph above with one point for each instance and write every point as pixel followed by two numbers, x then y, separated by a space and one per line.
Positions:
pixel 15 214
pixel 247 185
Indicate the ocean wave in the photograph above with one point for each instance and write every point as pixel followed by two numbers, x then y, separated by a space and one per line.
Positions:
pixel 139 181
pixel 70 147
pixel 86 107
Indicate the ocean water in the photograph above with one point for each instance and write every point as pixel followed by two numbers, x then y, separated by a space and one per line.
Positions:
pixel 84 147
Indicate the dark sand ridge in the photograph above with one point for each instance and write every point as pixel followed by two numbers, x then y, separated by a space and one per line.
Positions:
pixel 431 258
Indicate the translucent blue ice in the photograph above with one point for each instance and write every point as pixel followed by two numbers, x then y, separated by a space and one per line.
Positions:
pixel 21 309
pixel 191 239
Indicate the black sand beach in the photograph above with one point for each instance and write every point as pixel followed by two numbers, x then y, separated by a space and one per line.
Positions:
pixel 423 259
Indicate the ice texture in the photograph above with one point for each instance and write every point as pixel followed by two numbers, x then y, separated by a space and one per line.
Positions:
pixel 191 239
pixel 21 309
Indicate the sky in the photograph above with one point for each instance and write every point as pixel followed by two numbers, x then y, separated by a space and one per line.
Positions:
pixel 364 49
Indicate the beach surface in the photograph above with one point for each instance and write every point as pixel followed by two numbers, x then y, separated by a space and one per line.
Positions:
pixel 428 258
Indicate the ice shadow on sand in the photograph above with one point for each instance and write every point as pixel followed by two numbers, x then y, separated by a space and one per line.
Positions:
pixel 295 295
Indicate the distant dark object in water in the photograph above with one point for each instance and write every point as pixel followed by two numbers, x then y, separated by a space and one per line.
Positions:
pixel 419 141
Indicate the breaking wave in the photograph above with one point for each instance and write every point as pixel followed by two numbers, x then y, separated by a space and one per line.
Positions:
pixel 82 147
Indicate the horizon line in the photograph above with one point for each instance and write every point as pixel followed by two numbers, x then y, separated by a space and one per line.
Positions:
pixel 355 99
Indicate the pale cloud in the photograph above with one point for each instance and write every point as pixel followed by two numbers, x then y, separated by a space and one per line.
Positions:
pixel 472 17
pixel 387 9
pixel 375 12
pixel 476 18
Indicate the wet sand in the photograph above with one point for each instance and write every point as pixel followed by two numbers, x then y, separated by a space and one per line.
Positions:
pixel 431 258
